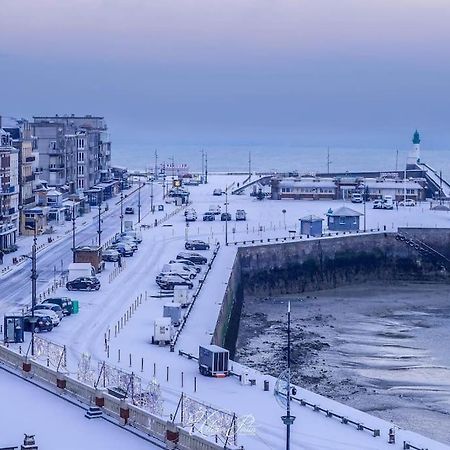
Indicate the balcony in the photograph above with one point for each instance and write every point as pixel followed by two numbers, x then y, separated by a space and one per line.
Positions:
pixel 7 190
pixel 56 167
pixel 28 178
pixel 30 158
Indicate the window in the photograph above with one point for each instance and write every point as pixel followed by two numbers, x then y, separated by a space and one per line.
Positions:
pixel 80 143
pixel 342 220
pixel 80 170
pixel 355 222
pixel 80 183
pixel 80 156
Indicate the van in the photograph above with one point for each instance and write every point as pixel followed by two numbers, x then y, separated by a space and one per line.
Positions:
pixel 388 202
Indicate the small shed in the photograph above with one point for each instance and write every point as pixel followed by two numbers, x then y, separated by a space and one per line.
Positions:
pixel 311 225
pixel 343 219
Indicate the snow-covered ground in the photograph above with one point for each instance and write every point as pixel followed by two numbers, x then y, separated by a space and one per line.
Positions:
pixel 100 311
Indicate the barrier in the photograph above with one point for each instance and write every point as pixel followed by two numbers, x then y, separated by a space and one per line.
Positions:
pixel 116 408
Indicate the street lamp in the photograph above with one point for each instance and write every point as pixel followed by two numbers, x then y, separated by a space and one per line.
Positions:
pixel 99 231
pixel 288 419
pixel 151 196
pixel 121 211
pixel 33 284
pixel 284 217
pixel 139 202
pixel 73 231
pixel 226 216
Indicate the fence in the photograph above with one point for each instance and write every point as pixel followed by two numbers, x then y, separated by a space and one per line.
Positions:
pixel 118 408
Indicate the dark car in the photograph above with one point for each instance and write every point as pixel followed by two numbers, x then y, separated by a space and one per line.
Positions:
pixel 41 323
pixel 196 245
pixel 129 210
pixel 64 302
pixel 208 217
pixel 84 284
pixel 196 258
pixel 225 216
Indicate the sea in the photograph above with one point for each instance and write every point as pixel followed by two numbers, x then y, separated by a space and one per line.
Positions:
pixel 235 158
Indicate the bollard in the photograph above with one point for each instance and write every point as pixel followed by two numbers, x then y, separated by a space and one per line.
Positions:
pixel 142 364
pixel 118 355
pixel 167 373
pixel 154 369
pixel 182 379
pixel 130 359
pixel 195 384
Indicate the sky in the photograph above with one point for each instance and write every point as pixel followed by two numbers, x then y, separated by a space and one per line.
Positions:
pixel 294 72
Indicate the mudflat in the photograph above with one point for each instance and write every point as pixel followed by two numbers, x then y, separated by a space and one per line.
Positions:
pixel 383 349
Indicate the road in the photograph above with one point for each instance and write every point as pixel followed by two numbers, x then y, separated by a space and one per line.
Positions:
pixel 16 286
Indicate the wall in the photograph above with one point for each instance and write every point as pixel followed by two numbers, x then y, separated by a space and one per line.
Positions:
pixel 328 262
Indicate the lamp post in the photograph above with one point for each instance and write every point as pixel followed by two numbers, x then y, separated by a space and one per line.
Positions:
pixel 33 284
pixel 73 231
pixel 151 196
pixel 99 231
pixel 121 211
pixel 139 202
pixel 226 216
pixel 288 419
pixel 284 217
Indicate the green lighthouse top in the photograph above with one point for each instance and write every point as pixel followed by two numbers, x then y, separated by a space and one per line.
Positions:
pixel 416 138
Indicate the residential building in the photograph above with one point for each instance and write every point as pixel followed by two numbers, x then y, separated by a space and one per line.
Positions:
pixel 22 141
pixel 9 191
pixel 73 150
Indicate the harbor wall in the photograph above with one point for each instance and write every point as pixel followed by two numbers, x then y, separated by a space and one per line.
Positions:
pixel 325 263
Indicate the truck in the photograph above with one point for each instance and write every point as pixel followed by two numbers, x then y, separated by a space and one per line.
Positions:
pixel 213 361
pixel 91 254
pixel 77 270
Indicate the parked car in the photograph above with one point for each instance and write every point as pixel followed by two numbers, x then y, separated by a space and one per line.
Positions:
pixel 225 217
pixel 41 323
pixel 357 198
pixel 208 216
pixel 217 192
pixel 407 202
pixel 50 307
pixel 84 284
pixel 136 235
pixel 181 269
pixel 129 241
pixel 129 210
pixel 388 202
pixel 215 209
pixel 378 204
pixel 241 215
pixel 110 255
pixel 186 263
pixel 170 280
pixel 49 313
pixel 64 302
pixel 191 216
pixel 196 245
pixel 196 258
pixel 123 248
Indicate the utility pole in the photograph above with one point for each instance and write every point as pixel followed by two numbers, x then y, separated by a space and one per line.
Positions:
pixel 73 231
pixel 364 200
pixel 203 166
pixel 33 285
pixel 328 160
pixel 249 165
pixel 396 161
pixel 139 202
pixel 226 214
pixel 288 420
pixel 155 174
pixel 99 231
pixel 151 197
pixel 121 211
pixel 206 168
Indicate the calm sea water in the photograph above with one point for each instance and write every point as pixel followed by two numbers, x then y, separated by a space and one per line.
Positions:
pixel 283 158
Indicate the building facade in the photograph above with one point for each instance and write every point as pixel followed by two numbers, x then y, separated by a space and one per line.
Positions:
pixel 73 150
pixel 9 192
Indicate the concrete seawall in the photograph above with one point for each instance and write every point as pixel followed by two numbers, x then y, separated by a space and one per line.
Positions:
pixel 314 264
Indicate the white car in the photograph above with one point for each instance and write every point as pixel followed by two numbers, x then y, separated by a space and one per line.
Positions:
pixel 47 313
pixel 50 307
pixel 181 269
pixel 407 202
pixel 215 209
pixel 186 263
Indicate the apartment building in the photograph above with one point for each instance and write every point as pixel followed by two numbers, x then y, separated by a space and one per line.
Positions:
pixel 73 150
pixel 9 191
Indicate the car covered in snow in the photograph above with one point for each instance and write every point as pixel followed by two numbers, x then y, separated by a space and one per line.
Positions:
pixel 65 303
pixel 378 204
pixel 186 263
pixel 215 209
pixel 407 202
pixel 168 280
pixel 110 255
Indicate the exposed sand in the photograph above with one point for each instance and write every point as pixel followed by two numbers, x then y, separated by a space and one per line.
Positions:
pixel 380 348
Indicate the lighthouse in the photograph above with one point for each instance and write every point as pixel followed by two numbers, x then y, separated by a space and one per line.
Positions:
pixel 414 153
